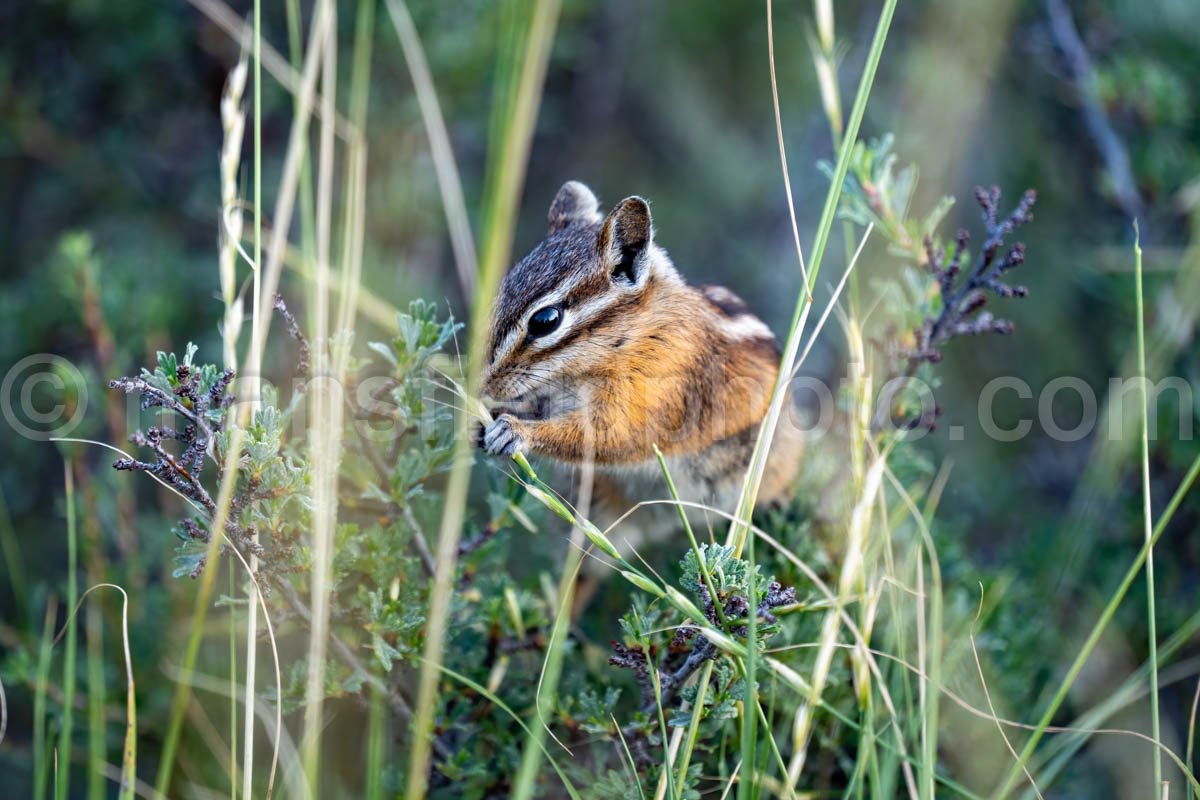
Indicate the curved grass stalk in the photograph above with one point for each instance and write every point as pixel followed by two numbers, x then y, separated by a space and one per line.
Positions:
pixel 128 778
pixel 491 696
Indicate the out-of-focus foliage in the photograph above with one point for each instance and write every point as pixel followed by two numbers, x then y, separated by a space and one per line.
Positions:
pixel 109 138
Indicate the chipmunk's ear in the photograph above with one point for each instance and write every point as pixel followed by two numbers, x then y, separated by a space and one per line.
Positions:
pixel 624 239
pixel 573 203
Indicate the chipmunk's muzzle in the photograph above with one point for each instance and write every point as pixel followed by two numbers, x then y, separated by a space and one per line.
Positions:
pixel 525 399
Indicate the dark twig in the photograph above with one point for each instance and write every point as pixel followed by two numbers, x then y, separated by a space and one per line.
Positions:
pixel 963 300
pixel 295 332
pixel 193 402
pixel 671 682
pixel 1079 69
pixel 420 543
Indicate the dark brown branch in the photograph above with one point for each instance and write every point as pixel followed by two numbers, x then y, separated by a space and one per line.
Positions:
pixel 1081 73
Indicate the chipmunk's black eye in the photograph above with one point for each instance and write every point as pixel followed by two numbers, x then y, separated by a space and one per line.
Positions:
pixel 545 320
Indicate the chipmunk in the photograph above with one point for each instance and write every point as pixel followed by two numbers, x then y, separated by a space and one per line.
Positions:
pixel 599 350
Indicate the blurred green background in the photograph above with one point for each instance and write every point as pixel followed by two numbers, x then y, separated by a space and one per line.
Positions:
pixel 109 126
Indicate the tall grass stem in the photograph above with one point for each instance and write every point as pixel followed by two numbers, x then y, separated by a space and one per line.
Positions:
pixel 62 784
pixel 507 161
pixel 1147 514
pixel 758 462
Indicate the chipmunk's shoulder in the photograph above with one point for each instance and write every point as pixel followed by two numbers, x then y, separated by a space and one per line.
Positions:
pixel 723 300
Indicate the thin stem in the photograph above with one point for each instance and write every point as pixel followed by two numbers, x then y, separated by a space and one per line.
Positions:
pixel 694 725
pixel 233 684
pixel 324 419
pixel 41 761
pixel 1147 520
pixel 376 745
pixel 94 628
pixel 62 782
pixel 256 335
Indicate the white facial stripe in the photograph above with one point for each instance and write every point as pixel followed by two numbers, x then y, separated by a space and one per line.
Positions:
pixel 655 263
pixel 574 317
pixel 517 334
pixel 505 346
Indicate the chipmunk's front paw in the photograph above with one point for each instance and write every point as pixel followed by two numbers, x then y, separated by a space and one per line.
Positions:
pixel 501 437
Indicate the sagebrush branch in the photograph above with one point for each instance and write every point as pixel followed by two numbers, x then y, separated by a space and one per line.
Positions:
pixel 963 299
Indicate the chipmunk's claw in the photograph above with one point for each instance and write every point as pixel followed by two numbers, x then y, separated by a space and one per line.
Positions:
pixel 501 438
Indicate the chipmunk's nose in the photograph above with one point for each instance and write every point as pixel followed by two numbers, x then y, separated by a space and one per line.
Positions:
pixel 491 382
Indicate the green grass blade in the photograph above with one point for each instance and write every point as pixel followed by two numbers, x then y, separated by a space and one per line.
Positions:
pixel 41 760
pixel 748 786
pixel 258 334
pixel 665 778
pixel 1106 616
pixel 547 690
pixel 233 684
pixel 376 745
pixel 483 690
pixel 62 784
pixel 96 698
pixel 689 744
pixel 1147 519
pixel 737 532
pixel 508 160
